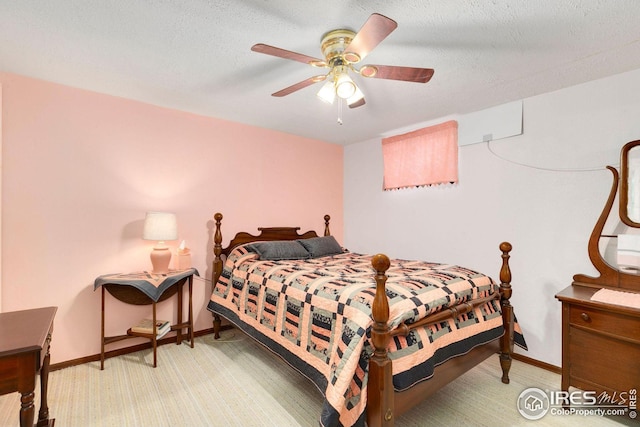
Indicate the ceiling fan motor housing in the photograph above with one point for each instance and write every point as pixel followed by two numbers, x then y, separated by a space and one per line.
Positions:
pixel 333 45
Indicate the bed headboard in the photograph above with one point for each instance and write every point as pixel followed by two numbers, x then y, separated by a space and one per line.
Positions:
pixel 266 233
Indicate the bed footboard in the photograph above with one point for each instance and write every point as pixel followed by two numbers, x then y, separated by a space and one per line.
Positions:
pixel 380 395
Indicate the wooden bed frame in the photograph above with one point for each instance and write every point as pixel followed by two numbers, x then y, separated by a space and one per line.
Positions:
pixel 384 404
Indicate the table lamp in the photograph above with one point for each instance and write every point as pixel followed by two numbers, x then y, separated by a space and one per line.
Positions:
pixel 160 226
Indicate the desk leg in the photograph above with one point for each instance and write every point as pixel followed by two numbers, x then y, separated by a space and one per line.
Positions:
pixel 191 310
pixel 26 409
pixel 26 385
pixel 179 322
pixel 154 340
pixel 43 415
pixel 102 334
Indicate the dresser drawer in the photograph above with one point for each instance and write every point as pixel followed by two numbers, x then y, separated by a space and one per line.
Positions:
pixel 606 322
pixel 604 361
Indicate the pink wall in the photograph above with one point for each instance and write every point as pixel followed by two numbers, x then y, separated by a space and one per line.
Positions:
pixel 80 170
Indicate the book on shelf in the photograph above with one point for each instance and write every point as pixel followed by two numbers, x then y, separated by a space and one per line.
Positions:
pixel 163 332
pixel 145 326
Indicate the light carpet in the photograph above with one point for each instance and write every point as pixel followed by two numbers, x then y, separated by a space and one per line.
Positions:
pixel 236 382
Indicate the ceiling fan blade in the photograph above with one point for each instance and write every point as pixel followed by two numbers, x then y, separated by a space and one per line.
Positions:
pixel 376 29
pixel 300 85
pixel 392 72
pixel 357 104
pixel 287 54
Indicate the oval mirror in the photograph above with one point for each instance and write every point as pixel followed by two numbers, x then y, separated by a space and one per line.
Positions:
pixel 630 184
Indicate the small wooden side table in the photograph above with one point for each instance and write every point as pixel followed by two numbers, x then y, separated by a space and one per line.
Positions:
pixel 144 288
pixel 24 352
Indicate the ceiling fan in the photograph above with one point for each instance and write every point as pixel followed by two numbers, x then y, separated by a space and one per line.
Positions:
pixel 342 50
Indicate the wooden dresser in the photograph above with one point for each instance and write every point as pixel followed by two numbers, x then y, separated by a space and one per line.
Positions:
pixel 600 343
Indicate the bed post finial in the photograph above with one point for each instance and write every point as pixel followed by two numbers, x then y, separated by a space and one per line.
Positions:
pixel 327 232
pixel 217 267
pixel 217 239
pixel 380 307
pixel 506 345
pixel 505 271
pixel 380 405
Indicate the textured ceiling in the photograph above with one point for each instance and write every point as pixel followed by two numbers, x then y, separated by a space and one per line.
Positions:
pixel 194 55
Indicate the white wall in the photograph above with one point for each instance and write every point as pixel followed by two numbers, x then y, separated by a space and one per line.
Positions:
pixel 546 215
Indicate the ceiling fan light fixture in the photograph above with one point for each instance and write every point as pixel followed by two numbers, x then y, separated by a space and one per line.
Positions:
pixel 327 92
pixel 345 86
pixel 357 96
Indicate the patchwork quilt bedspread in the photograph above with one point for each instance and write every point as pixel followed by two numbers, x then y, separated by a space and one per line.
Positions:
pixel 316 315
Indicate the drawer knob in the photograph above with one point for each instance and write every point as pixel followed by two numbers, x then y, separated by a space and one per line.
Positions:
pixel 585 317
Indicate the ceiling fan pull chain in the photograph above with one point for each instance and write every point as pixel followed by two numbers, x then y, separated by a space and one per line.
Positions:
pixel 340 111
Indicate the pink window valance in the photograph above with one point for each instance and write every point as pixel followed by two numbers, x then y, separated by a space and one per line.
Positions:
pixel 426 156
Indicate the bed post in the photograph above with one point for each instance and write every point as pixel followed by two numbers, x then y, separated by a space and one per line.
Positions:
pixel 217 268
pixel 380 386
pixel 326 225
pixel 506 343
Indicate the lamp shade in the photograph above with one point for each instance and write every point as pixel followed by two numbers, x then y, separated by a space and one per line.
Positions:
pixel 160 226
pixel 345 87
pixel 357 96
pixel 327 92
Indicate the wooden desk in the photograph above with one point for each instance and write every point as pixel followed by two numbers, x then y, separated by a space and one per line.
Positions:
pixel 136 289
pixel 24 351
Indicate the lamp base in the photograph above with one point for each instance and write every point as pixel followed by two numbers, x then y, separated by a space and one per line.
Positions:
pixel 160 258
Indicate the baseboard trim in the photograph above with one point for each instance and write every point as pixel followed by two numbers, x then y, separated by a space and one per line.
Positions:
pixel 537 363
pixel 127 350
pixel 173 339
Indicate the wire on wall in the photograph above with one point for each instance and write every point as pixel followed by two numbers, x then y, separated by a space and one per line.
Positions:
pixel 599 168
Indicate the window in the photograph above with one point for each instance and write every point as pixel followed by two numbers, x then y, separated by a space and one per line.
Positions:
pixel 426 156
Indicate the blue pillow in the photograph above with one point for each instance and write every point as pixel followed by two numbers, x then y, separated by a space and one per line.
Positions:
pixel 279 250
pixel 321 246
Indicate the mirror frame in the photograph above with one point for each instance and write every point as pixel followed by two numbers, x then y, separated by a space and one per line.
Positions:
pixel 624 184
